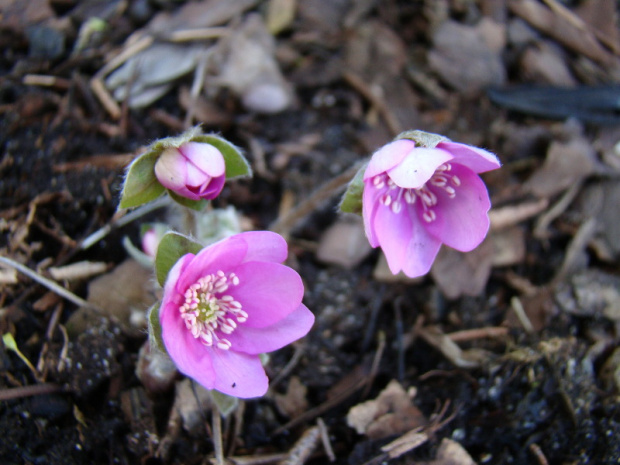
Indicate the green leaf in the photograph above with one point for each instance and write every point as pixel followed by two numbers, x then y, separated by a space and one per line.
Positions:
pixel 352 199
pixel 141 185
pixel 197 205
pixel 236 164
pixel 172 247
pixel 156 340
pixel 422 138
pixel 225 404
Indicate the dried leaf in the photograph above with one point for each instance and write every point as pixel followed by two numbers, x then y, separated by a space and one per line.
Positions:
pixel 344 243
pixel 294 402
pixel 457 273
pixel 392 412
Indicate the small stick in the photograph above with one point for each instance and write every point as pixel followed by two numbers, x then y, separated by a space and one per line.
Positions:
pixel 517 306
pixel 205 33
pixel 538 453
pixel 124 220
pixel 478 333
pixel 284 224
pixel 303 448
pixel 29 391
pixel 327 445
pixel 51 285
pixel 359 85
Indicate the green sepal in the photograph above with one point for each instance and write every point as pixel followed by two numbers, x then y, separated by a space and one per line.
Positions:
pixel 225 404
pixel 422 138
pixel 172 247
pixel 197 205
pixel 237 166
pixel 352 199
pixel 156 341
pixel 141 186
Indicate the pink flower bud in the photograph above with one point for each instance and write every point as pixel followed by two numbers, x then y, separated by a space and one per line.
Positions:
pixel 150 241
pixel 195 170
pixel 416 198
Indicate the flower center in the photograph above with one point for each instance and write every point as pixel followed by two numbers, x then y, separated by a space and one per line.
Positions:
pixel 209 314
pixel 395 197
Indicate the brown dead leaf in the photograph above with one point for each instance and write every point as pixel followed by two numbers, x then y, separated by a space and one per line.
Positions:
pixel 602 17
pixel 566 163
pixel 344 243
pixel 560 27
pixel 294 402
pixel 124 294
pixel 469 58
pixel 601 200
pixel 17 14
pixel 457 273
pixel 471 358
pixel 392 412
pixel 508 246
pixel 451 453
pixel 545 64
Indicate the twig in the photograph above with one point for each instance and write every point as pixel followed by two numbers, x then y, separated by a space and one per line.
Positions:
pixel 284 224
pixel 478 333
pixel 124 220
pixel 374 368
pixel 579 242
pixel 359 85
pixel 517 306
pixel 51 285
pixel 327 445
pixel 303 447
pixel 29 391
pixel 299 350
pixel 538 453
pixel 540 230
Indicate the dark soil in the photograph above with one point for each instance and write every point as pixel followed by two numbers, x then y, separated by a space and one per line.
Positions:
pixel 547 395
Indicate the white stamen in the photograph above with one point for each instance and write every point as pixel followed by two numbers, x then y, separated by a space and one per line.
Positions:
pixel 429 216
pixel 208 315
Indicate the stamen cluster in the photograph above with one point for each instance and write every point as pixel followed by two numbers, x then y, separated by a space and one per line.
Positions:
pixel 208 314
pixel 395 195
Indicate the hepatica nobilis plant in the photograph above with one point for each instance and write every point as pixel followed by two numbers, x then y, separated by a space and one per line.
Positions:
pixel 225 304
pixel 421 191
pixel 228 303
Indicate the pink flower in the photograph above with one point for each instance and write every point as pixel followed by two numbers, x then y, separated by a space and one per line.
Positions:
pixel 195 170
pixel 416 198
pixel 226 305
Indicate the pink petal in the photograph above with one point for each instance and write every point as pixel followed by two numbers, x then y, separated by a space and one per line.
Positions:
pixel 394 233
pixel 170 286
pixel 171 169
pixel 418 167
pixel 421 251
pixel 462 222
pixel 205 157
pixel 476 159
pixel 239 375
pixel 213 189
pixel 224 255
pixel 370 204
pixel 264 246
pixel 190 356
pixel 260 340
pixel 268 292
pixel 196 177
pixel 388 157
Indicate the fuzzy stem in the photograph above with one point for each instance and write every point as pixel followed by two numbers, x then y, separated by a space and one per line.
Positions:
pixel 217 435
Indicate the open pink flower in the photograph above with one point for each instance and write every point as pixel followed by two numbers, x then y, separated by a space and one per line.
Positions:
pixel 195 170
pixel 416 198
pixel 226 305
